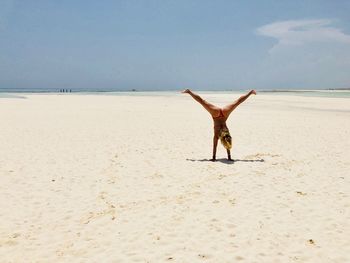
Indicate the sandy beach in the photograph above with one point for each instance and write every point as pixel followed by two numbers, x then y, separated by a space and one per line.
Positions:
pixel 103 178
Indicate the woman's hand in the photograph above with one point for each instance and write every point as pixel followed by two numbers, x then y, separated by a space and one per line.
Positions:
pixel 186 91
pixel 252 92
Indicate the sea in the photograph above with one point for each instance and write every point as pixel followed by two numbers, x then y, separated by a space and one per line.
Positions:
pixel 21 93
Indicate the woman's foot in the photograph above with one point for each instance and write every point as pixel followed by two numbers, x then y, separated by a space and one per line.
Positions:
pixel 253 92
pixel 186 91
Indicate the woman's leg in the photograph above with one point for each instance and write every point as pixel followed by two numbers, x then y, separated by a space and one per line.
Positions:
pixel 230 107
pixel 215 145
pixel 212 109
pixel 229 155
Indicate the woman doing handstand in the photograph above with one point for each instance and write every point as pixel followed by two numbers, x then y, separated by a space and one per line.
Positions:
pixel 220 115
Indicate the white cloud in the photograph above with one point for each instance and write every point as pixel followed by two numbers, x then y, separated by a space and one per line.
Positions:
pixel 307 54
pixel 300 32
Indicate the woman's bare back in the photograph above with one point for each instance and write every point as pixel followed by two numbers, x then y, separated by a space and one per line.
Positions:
pixel 219 123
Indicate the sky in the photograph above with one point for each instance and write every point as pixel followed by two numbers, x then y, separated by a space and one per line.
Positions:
pixel 174 44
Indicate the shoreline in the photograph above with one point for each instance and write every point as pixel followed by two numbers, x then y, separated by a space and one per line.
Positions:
pixel 301 93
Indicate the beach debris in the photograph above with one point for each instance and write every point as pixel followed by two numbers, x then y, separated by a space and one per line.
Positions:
pixel 301 193
pixel 311 242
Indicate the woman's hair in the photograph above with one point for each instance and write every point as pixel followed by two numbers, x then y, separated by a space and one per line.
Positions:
pixel 225 138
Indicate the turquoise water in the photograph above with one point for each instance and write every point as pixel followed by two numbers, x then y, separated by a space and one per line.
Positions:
pixel 11 95
pixel 316 93
pixel 6 93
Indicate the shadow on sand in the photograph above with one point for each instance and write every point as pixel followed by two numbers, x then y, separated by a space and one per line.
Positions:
pixel 224 160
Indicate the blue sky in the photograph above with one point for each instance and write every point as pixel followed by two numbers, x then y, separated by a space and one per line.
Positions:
pixel 154 45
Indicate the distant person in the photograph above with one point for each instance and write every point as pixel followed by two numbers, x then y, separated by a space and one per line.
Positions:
pixel 220 115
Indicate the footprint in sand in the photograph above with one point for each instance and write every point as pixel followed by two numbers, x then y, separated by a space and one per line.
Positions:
pixel 260 155
pixel 112 170
pixel 10 241
pixel 110 210
pixel 222 176
pixel 94 215
pixel 232 201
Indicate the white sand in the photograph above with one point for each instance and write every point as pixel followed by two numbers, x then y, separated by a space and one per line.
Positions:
pixel 94 178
